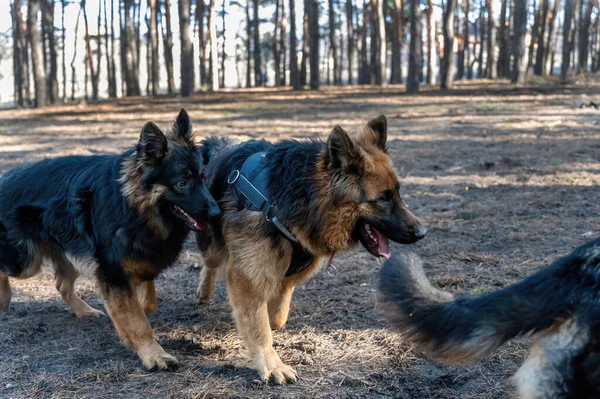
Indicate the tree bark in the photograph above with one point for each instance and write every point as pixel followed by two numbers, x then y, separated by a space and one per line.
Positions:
pixel 187 49
pixel 374 61
pixel 464 50
pixel 549 46
pixel 130 48
pixel 153 41
pixel 214 53
pixel 93 71
pixel 305 47
pixel 223 53
pixel 168 47
pixel 566 47
pixel 19 55
pixel 294 73
pixel 109 75
pixel 534 33
pixel 380 77
pixel 502 41
pixel 415 52
pixel 350 34
pixel 333 44
pixel 584 37
pixel 35 40
pixel 248 45
pixel 313 26
pixel 257 57
pixel 201 42
pixel 538 68
pixel 282 49
pixel 52 70
pixel 430 41
pixel 365 68
pixel 447 64
pixel 397 42
pixel 491 42
pixel 73 70
pixel 519 65
pixel 482 29
pixel 276 58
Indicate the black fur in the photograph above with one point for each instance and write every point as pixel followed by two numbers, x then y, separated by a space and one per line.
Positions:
pixel 459 328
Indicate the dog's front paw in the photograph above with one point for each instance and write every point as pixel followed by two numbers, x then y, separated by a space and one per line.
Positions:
pixel 273 370
pixel 155 358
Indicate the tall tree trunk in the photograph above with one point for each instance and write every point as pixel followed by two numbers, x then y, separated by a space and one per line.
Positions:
pixel 397 41
pixel 374 68
pixel 305 47
pixel 380 77
pixel 333 43
pixel 294 73
pixel 113 69
pixel 482 29
pixel 491 42
pixel 534 33
pixel 566 46
pixel 248 45
pixel 538 68
pixel 596 56
pixel 350 34
pixel 153 41
pixel 63 36
pixel 89 56
pixel 258 79
pixel 19 54
pixel 415 53
pixel 430 41
pixel 109 75
pixel 168 47
pixel 52 70
pixel 130 48
pixel 464 49
pixel 214 53
pixel 502 41
pixel 282 36
pixel 447 65
pixel 37 56
pixel 549 47
pixel 365 68
pixel 584 37
pixel 187 49
pixel 223 53
pixel 519 65
pixel 201 41
pixel 313 32
pixel 73 69
pixel 276 59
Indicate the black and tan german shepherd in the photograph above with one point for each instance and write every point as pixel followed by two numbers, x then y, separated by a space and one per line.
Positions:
pixel 561 303
pixel 121 218
pixel 328 195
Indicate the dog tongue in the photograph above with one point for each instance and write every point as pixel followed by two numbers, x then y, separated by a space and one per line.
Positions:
pixel 383 245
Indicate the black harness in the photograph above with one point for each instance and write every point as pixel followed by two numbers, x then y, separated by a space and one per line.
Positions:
pixel 251 183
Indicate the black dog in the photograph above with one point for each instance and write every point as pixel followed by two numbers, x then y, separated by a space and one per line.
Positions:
pixel 560 303
pixel 123 218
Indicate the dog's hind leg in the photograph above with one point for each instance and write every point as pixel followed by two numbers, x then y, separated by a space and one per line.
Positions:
pixel 146 295
pixel 279 305
pixel 65 284
pixel 213 258
pixel 5 293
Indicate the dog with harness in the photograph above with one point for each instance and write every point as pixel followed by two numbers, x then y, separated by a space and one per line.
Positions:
pixel 286 208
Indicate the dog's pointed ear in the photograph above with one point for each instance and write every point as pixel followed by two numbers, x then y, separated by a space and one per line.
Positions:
pixel 376 132
pixel 342 153
pixel 182 128
pixel 152 146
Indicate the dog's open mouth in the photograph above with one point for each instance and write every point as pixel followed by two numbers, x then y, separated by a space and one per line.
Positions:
pixel 190 221
pixel 372 239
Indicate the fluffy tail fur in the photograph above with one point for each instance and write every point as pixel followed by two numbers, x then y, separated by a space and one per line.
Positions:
pixel 461 328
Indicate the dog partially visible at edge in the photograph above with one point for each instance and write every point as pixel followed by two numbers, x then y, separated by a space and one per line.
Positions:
pixel 560 304
pixel 328 195
pixel 120 218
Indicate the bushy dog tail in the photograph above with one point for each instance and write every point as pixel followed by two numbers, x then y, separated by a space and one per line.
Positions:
pixel 461 328
pixel 210 146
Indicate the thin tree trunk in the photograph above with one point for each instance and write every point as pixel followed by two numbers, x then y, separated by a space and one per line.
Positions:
pixel 491 42
pixel 333 44
pixel 538 68
pixel 519 65
pixel 153 40
pixel 430 41
pixel 187 49
pixel 19 54
pixel 73 70
pixel 502 41
pixel 447 65
pixel 415 54
pixel 313 27
pixel 549 47
pixel 98 47
pixel 381 78
pixel 350 44
pixel 276 59
pixel 374 68
pixel 214 54
pixel 35 40
pixel 201 40
pixel 113 69
pixel 482 29
pixel 397 42
pixel 223 53
pixel 248 45
pixel 534 33
pixel 305 47
pixel 364 71
pixel 89 56
pixel 63 54
pixel 282 36
pixel 584 37
pixel 52 79
pixel 258 79
pixel 566 47
pixel 109 75
pixel 168 47
pixel 294 73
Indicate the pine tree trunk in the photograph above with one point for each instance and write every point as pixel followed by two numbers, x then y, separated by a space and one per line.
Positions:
pixel 397 41
pixel 374 58
pixel 214 53
pixel 19 55
pixel 93 72
pixel 482 29
pixel 258 79
pixel 566 46
pixel 447 64
pixel 223 53
pixel 294 73
pixel 168 47
pixel 201 42
pixel 153 48
pixel 333 43
pixel 502 41
pixel 187 49
pixel 549 47
pixel 248 45
pixel 276 59
pixel 350 34
pixel 380 77
pixel 491 43
pixel 52 82
pixel 73 70
pixel 415 52
pixel 519 65
pixel 534 34
pixel 364 70
pixel 35 40
pixel 584 37
pixel 538 68
pixel 430 41
pixel 313 33
pixel 282 49
pixel 305 47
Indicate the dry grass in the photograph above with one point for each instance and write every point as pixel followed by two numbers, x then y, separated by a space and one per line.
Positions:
pixel 507 179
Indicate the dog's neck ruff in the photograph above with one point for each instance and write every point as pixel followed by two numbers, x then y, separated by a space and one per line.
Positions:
pixel 251 187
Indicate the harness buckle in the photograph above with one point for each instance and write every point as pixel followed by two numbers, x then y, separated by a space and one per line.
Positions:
pixel 233 176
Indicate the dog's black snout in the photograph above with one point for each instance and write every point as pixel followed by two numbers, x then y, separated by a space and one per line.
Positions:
pixel 420 232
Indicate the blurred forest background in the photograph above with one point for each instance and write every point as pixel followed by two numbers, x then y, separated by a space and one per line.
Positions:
pixel 63 50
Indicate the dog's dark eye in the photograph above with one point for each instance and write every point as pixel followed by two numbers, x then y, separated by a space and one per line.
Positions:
pixel 386 196
pixel 182 183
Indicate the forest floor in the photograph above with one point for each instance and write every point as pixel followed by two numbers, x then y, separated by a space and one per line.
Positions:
pixel 507 179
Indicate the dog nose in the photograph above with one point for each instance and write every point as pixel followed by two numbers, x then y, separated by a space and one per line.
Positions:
pixel 420 232
pixel 214 210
